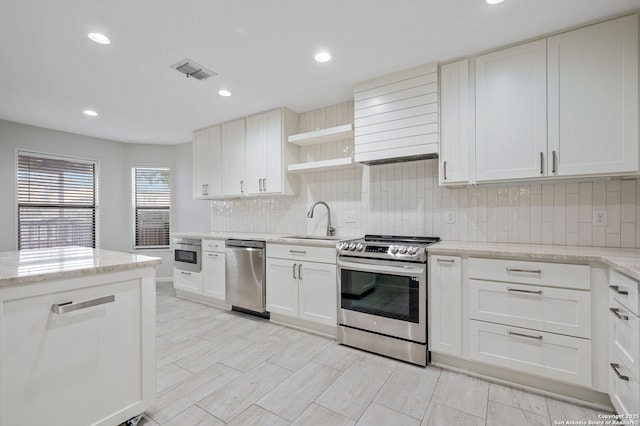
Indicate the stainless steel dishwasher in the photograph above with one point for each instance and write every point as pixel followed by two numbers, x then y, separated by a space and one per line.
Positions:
pixel 245 276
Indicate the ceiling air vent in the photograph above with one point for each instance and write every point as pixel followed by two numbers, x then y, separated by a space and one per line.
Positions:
pixel 191 69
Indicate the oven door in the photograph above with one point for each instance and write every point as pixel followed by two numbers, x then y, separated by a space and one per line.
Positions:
pixel 386 297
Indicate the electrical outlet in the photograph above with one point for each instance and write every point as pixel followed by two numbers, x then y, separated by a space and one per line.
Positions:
pixel 599 217
pixel 350 216
pixel 451 216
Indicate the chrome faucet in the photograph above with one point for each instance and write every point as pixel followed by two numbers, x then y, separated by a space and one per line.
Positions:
pixel 330 230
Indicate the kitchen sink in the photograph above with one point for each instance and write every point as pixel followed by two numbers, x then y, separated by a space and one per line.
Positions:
pixel 314 237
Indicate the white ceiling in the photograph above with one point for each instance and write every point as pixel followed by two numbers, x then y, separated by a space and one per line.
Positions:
pixel 262 51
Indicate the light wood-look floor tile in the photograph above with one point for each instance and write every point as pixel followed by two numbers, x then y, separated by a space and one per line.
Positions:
pixel 505 415
pixel 377 414
pixel 519 399
pixel 194 416
pixel 441 415
pixel 317 415
pixel 464 393
pixel 257 416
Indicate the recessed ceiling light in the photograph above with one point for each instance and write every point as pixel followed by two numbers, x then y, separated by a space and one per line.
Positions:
pixel 224 92
pixel 90 113
pixel 322 57
pixel 494 1
pixel 99 38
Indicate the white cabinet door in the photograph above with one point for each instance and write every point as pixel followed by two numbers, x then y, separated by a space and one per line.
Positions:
pixel 207 171
pixel 282 286
pixel 83 367
pixel 264 145
pixel 213 284
pixel 445 306
pixel 187 281
pixel 593 99
pixel 233 152
pixel 455 131
pixel 318 293
pixel 511 113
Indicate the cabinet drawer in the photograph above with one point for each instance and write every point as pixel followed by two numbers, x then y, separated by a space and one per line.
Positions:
pixel 525 272
pixel 187 281
pixel 213 245
pixel 625 290
pixel 623 390
pixel 554 356
pixel 308 253
pixel 549 309
pixel 625 337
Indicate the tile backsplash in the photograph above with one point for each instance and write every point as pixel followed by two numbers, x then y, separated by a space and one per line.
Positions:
pixel 405 199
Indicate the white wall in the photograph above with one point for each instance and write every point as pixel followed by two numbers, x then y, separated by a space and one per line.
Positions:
pixel 114 182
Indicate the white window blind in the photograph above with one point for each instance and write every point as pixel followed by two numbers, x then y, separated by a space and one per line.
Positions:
pixel 151 206
pixel 56 202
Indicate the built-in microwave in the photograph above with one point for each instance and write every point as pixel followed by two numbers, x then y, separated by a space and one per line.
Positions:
pixel 187 254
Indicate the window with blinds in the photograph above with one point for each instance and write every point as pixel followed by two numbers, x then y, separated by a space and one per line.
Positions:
pixel 151 206
pixel 56 201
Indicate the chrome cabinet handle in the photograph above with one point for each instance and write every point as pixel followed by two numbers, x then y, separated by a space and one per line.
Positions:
pixel 63 308
pixel 616 311
pixel 524 291
pixel 620 376
pixel 528 271
pixel 212 255
pixel 185 273
pixel 294 271
pixel 298 251
pixel 554 162
pixel 445 260
pixel 541 163
pixel 513 333
pixel 444 169
pixel 300 270
pixel 617 290
pixel 242 187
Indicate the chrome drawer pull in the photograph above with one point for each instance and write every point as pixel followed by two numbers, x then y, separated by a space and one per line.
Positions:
pixel 212 255
pixel 446 260
pixel 528 271
pixel 298 251
pixel 615 312
pixel 63 308
pixel 513 333
pixel 620 376
pixel 300 271
pixel 185 273
pixel 524 291
pixel 617 290
pixel 294 272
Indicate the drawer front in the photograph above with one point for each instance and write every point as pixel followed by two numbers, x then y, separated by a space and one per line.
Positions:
pixel 524 272
pixel 548 309
pixel 623 390
pixel 296 252
pixel 625 337
pixel 213 245
pixel 187 281
pixel 557 357
pixel 624 290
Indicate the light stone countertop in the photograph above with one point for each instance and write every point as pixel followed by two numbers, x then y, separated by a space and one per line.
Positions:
pixel 626 261
pixel 320 241
pixel 28 266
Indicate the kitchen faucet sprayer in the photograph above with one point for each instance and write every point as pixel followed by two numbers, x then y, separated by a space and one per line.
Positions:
pixel 330 230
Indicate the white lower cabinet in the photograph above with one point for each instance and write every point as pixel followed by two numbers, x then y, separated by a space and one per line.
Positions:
pixel 93 365
pixel 213 269
pixel 301 283
pixel 549 355
pixel 445 306
pixel 187 281
pixel 624 344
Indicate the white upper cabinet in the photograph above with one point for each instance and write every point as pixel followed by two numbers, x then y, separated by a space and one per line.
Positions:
pixel 455 131
pixel 396 116
pixel 511 113
pixel 593 99
pixel 233 154
pixel 267 152
pixel 207 164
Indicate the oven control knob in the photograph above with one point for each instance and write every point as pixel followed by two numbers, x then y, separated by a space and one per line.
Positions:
pixel 402 250
pixel 359 247
pixel 352 246
pixel 393 249
pixel 344 246
pixel 412 250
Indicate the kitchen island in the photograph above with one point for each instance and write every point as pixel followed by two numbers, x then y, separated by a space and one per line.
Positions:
pixel 77 336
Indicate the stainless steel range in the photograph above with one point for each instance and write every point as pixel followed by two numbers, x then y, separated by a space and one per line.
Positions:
pixel 382 305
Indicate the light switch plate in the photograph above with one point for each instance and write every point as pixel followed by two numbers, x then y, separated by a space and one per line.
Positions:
pixel 599 217
pixel 451 216
pixel 350 216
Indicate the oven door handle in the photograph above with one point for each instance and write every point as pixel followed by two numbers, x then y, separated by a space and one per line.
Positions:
pixel 400 269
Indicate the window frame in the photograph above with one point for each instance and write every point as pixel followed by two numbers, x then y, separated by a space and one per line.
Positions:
pixel 56 156
pixel 132 187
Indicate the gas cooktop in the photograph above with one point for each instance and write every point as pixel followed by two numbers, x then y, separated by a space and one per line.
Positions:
pixel 392 247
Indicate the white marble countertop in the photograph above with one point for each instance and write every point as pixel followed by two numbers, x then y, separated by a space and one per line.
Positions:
pixel 626 261
pixel 27 266
pixel 320 241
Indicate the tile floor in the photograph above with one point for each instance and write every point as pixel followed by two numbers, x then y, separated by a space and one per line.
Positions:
pixel 217 367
